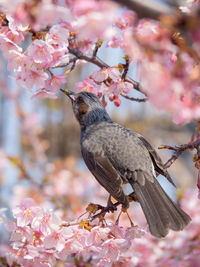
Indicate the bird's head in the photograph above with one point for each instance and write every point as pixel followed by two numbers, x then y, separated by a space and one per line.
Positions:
pixel 87 107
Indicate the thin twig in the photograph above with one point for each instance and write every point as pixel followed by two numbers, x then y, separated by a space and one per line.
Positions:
pixel 100 63
pixel 178 150
pixel 98 215
pixel 71 61
pixel 97 46
pixel 133 98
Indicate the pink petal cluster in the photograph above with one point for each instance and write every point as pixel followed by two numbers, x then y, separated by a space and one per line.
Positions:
pixel 96 19
pixel 105 73
pixel 87 85
pixel 120 87
pixel 148 31
pixel 163 63
pixel 116 85
pixel 169 93
pixel 40 237
pixel 30 65
pixel 126 20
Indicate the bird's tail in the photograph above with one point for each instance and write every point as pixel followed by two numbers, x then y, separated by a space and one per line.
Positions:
pixel 160 211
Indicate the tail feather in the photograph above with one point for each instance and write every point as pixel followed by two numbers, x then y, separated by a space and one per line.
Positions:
pixel 160 211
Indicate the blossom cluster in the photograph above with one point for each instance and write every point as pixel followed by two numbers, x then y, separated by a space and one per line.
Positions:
pixel 40 237
pixel 167 69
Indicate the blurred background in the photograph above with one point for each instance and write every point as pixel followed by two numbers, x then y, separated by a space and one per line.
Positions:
pixel 39 139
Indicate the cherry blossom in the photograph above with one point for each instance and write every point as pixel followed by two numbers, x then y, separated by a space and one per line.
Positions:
pixel 87 85
pixel 121 87
pixel 58 36
pixel 102 245
pixel 55 82
pixel 7 45
pixel 126 20
pixel 25 212
pixel 41 52
pixel 31 75
pixel 148 31
pixel 43 93
pixel 36 37
pixel 98 22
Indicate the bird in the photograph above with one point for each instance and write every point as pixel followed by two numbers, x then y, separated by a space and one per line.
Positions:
pixel 116 155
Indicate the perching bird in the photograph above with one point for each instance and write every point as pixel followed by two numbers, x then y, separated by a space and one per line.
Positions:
pixel 117 155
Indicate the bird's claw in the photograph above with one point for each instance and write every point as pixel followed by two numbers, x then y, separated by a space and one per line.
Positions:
pixel 111 208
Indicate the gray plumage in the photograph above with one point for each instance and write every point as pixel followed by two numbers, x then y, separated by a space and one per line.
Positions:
pixel 117 155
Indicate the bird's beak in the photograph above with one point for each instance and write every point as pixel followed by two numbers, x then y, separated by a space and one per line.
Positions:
pixel 69 93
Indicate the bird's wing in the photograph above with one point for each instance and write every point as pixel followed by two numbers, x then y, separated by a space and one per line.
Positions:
pixel 101 167
pixel 157 162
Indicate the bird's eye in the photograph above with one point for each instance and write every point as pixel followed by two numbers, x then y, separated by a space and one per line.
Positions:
pixel 79 100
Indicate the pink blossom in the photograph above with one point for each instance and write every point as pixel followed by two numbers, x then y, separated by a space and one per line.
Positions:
pixel 41 52
pixel 60 57
pixel 15 26
pixel 31 76
pixel 100 75
pixel 9 6
pixel 97 235
pixel 25 212
pixel 114 73
pixel 43 93
pixel 55 240
pixel 55 82
pixel 156 77
pixel 42 223
pixel 110 251
pixel 131 46
pixel 15 60
pixel 6 45
pixel 58 36
pixel 82 7
pixel 148 31
pixel 105 246
pixel 121 87
pixel 98 23
pixel 50 13
pixel 114 42
pixel 46 222
pixel 127 19
pixel 86 46
pixel 103 74
pixel 87 85
pixel 16 37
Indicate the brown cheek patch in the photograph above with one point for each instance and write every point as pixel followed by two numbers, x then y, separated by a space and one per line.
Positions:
pixel 82 110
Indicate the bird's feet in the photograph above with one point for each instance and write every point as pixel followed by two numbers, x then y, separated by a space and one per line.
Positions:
pixel 124 210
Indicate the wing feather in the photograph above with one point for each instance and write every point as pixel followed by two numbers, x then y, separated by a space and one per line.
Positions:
pixel 102 169
pixel 157 162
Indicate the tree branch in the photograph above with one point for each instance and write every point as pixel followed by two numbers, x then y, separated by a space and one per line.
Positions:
pixel 148 8
pixel 133 98
pixel 103 211
pixel 100 63
pixel 178 150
